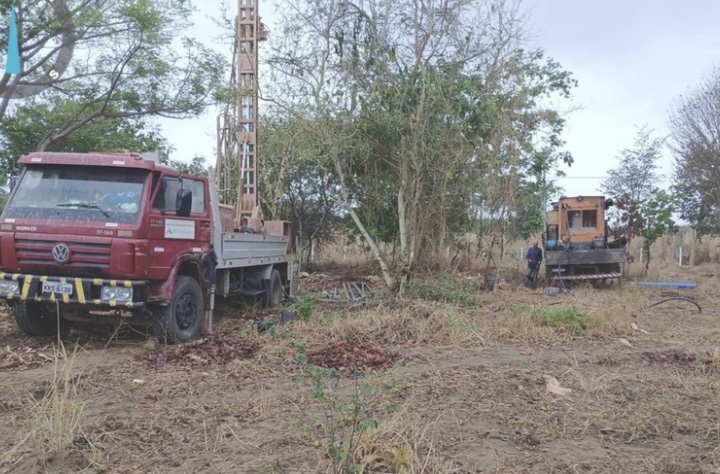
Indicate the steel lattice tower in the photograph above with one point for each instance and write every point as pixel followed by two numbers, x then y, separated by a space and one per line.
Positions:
pixel 237 150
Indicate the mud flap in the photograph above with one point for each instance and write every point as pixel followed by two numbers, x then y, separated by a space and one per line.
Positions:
pixel 207 327
pixel 293 277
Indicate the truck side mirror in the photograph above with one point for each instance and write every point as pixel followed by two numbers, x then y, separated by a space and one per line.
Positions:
pixel 183 202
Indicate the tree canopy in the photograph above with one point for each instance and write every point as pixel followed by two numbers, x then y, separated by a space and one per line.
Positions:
pixel 430 117
pixel 131 60
pixel 695 143
pixel 642 207
pixel 408 124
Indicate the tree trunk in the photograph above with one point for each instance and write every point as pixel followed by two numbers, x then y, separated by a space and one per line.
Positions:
pixel 384 268
pixel 692 247
pixel 403 229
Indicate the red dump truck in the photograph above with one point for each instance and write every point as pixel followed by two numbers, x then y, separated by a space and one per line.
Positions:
pixel 104 236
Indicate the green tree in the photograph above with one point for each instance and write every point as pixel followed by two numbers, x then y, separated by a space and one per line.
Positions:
pixel 25 128
pixel 643 209
pixel 197 166
pixel 294 186
pixel 632 183
pixel 695 143
pixel 415 109
pixel 656 218
pixel 142 64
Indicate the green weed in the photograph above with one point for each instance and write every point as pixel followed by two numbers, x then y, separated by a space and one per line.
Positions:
pixel 568 319
pixel 306 306
pixel 344 424
pixel 445 289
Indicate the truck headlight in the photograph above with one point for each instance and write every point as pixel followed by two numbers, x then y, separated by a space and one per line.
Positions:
pixel 118 293
pixel 9 286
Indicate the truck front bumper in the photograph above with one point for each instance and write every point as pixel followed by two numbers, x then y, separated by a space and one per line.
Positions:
pixel 99 292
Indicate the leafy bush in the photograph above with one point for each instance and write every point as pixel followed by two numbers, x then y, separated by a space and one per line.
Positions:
pixel 445 289
pixel 564 319
pixel 306 306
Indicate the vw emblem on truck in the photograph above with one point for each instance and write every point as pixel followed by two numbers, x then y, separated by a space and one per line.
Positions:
pixel 61 253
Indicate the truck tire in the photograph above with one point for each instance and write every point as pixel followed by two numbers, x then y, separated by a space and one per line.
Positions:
pixel 36 319
pixel 275 290
pixel 182 318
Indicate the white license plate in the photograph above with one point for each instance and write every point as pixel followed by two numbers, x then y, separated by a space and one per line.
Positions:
pixel 53 287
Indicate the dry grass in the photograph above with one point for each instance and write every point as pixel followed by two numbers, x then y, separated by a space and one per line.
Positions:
pixel 474 399
pixel 59 412
pixel 514 315
pixel 54 415
pixel 665 254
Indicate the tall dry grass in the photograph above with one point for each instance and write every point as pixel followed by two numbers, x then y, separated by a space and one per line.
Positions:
pixel 684 249
pixel 55 415
pixel 56 420
pixel 508 316
pixel 58 414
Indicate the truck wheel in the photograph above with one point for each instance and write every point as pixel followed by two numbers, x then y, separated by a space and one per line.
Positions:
pixel 180 320
pixel 274 292
pixel 36 319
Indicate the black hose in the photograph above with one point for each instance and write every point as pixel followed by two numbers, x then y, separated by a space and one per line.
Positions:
pixel 678 298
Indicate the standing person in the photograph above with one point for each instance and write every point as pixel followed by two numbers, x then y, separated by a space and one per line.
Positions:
pixel 534 258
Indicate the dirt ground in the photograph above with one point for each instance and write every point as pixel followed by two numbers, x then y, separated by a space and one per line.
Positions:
pixel 519 382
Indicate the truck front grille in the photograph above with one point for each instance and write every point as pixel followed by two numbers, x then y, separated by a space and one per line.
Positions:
pixel 82 254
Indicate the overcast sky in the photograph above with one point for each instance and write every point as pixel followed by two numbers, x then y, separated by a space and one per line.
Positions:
pixel 632 59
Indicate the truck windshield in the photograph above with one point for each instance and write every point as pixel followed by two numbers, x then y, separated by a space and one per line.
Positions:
pixel 86 193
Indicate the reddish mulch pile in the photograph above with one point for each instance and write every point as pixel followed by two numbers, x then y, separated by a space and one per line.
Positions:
pixel 354 357
pixel 677 357
pixel 211 351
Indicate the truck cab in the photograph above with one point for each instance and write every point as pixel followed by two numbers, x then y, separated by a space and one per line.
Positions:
pixel 106 233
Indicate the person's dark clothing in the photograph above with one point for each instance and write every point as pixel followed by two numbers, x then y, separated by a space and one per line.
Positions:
pixel 534 257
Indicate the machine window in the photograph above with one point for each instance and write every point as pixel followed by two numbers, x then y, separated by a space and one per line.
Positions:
pixel 589 219
pixel 574 219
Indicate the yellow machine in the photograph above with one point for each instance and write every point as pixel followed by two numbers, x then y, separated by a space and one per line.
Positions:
pixel 577 244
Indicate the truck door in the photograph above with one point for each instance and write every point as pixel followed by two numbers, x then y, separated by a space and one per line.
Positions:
pixel 172 234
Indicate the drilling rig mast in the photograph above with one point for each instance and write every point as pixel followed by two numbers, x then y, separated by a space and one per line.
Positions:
pixel 237 148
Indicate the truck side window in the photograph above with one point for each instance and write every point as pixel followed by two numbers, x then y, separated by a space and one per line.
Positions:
pixel 165 199
pixel 198 194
